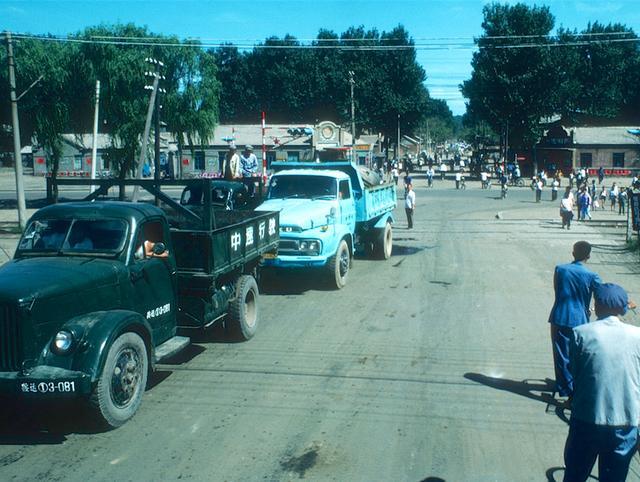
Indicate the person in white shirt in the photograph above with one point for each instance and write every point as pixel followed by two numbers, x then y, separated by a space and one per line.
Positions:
pixel 458 179
pixel 566 208
pixel 231 168
pixel 410 205
pixel 443 170
pixel 554 188
pixel 483 179
pixel 430 174
pixel 395 175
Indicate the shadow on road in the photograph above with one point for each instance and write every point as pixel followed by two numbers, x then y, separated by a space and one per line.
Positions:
pixel 42 423
pixel 540 390
pixel 280 282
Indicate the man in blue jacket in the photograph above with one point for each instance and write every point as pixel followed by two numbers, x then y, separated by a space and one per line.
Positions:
pixel 573 284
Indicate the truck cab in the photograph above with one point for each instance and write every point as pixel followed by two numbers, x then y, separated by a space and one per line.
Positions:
pixel 327 213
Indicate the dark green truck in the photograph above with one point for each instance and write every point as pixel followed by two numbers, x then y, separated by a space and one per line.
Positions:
pixel 99 292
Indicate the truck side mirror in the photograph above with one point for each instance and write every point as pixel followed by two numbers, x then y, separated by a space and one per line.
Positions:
pixel 159 249
pixel 332 212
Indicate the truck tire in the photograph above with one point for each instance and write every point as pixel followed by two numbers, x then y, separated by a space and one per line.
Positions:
pixel 384 244
pixel 121 384
pixel 242 320
pixel 339 265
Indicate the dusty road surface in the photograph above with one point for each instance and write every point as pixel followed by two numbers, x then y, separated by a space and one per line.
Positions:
pixel 430 366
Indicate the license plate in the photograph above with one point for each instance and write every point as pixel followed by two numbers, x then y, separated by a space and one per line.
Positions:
pixel 269 256
pixel 48 387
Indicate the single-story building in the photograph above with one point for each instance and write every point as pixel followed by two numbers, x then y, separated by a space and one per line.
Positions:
pixel 282 142
pixel 590 143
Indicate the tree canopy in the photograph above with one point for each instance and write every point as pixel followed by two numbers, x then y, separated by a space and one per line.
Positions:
pixel 293 82
pixel 523 74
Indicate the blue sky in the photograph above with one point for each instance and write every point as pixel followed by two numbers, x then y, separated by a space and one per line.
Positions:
pixel 241 20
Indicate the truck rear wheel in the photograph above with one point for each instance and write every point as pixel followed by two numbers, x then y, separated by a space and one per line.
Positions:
pixel 243 310
pixel 384 244
pixel 338 266
pixel 122 382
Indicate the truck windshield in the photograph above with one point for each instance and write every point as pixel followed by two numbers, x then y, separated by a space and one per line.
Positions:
pixel 74 236
pixel 302 186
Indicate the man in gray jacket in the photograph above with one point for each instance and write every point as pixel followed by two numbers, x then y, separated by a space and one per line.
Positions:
pixel 605 410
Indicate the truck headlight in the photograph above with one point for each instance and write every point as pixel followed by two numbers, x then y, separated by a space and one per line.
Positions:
pixel 63 342
pixel 310 246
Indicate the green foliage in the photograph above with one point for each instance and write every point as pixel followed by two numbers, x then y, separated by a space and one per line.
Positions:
pixel 64 100
pixel 509 87
pixel 294 84
pixel 599 77
pixel 591 72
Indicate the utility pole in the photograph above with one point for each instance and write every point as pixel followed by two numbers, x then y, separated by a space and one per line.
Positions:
pixel 147 124
pixel 398 146
pixel 352 83
pixel 17 156
pixel 94 147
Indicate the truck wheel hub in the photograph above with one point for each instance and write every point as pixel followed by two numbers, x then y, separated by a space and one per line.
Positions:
pixel 126 377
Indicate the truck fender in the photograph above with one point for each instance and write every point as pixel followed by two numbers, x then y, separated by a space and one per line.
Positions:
pixel 94 333
pixel 384 219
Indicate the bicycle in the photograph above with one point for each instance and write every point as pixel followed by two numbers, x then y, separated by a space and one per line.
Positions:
pixel 503 191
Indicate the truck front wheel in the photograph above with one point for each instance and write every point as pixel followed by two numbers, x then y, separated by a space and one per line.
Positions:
pixel 243 310
pixel 384 244
pixel 122 382
pixel 338 266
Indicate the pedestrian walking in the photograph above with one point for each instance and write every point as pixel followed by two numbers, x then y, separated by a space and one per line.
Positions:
pixel 430 174
pixel 407 182
pixel 622 201
pixel 555 184
pixel 593 189
pixel 538 188
pixel 573 285
pixel 572 178
pixel 458 179
pixel 584 203
pixel 410 205
pixel 601 175
pixel 395 175
pixel 605 408
pixel 483 179
pixel 566 208
pixel 603 196
pixel 613 196
pixel 443 170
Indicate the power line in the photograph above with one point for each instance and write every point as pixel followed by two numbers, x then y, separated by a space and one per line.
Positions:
pixel 145 42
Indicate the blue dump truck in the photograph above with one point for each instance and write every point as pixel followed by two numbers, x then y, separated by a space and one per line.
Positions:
pixel 328 212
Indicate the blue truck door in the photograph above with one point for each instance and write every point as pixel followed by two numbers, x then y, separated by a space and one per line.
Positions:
pixel 347 205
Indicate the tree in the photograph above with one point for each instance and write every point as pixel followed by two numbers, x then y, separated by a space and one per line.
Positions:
pixel 599 70
pixel 45 109
pixel 512 72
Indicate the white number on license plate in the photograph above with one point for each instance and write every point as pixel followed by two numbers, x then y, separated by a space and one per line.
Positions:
pixel 48 387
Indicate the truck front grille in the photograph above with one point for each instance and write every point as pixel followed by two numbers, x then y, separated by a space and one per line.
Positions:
pixel 10 352
pixel 288 246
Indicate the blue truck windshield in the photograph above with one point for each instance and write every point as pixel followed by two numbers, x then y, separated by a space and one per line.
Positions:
pixel 302 186
pixel 68 235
